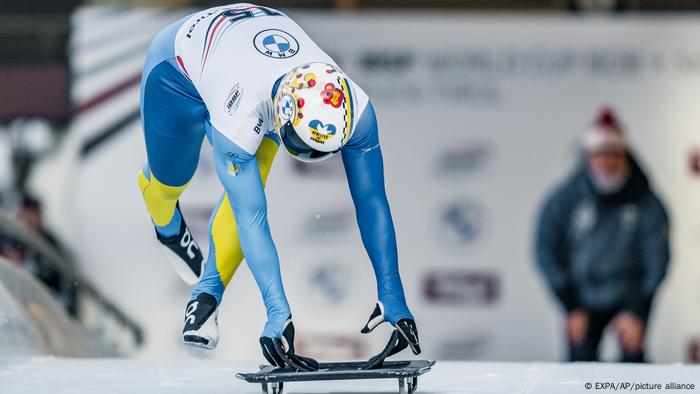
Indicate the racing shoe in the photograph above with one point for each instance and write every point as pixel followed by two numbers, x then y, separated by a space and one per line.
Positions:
pixel 184 254
pixel 201 322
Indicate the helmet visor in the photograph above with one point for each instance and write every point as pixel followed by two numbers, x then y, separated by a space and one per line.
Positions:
pixel 298 148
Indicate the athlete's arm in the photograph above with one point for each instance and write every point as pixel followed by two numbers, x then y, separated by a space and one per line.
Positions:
pixel 362 158
pixel 239 173
pixel 364 167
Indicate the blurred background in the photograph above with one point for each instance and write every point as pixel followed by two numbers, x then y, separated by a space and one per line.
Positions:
pixel 482 108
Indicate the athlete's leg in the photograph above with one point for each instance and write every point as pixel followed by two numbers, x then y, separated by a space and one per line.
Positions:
pixel 161 201
pixel 225 254
pixel 173 117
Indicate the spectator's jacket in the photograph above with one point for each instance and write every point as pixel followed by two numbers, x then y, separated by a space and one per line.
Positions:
pixel 604 252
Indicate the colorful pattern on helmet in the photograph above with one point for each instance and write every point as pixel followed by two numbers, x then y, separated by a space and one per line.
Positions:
pixel 348 109
pixel 321 132
pixel 315 104
pixel 332 95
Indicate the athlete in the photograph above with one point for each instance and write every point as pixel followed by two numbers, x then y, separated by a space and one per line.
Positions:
pixel 249 78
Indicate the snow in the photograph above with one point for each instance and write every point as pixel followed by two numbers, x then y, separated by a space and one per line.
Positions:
pixel 31 375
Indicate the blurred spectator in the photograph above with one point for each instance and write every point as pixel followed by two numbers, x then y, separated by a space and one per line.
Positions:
pixel 30 215
pixel 12 250
pixel 602 245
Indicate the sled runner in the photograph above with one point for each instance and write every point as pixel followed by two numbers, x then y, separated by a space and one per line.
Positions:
pixel 272 378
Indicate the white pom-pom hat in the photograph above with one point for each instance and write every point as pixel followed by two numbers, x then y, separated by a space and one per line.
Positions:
pixel 605 134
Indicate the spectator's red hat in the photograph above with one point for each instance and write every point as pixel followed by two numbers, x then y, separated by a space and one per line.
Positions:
pixel 605 133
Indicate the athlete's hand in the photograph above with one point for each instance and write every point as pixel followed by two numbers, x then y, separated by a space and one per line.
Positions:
pixel 280 351
pixel 404 335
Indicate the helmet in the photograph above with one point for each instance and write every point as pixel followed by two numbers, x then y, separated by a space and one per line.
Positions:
pixel 314 111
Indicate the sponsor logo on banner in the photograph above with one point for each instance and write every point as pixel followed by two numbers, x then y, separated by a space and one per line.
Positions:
pixel 463 160
pixel 462 287
pixel 330 346
pixel 396 62
pixel 276 44
pixel 695 162
pixel 329 222
pixel 693 350
pixel 469 346
pixel 330 281
pixel 460 222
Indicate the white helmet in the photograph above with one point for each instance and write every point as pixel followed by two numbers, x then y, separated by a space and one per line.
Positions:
pixel 314 111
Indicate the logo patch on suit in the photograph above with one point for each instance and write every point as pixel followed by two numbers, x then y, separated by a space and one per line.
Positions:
pixel 276 44
pixel 231 166
pixel 258 126
pixel 233 100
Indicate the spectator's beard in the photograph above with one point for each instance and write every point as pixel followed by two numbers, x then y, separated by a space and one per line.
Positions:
pixel 607 185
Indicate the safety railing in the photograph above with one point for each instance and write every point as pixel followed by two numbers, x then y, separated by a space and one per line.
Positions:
pixel 95 312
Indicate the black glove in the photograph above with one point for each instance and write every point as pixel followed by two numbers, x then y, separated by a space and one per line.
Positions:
pixel 404 335
pixel 280 351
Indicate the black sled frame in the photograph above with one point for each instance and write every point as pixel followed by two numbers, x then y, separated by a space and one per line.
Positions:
pixel 406 372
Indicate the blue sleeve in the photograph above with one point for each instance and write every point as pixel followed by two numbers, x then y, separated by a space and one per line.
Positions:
pixel 550 249
pixel 654 256
pixel 239 173
pixel 362 158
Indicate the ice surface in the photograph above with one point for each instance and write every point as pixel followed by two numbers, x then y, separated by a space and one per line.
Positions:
pixel 124 376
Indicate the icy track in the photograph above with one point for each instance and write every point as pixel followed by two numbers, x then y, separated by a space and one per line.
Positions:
pixel 124 376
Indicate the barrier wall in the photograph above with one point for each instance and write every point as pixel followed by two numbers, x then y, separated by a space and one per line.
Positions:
pixel 33 323
pixel 479 117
